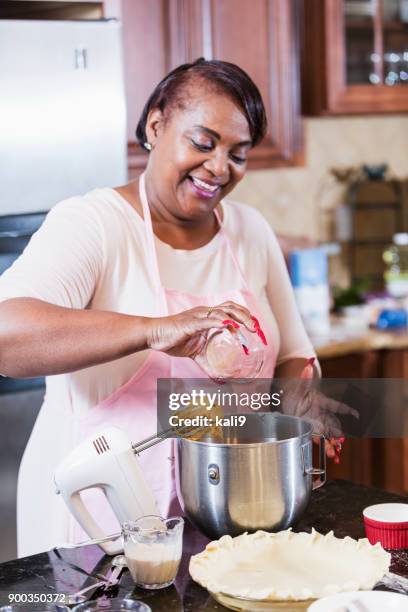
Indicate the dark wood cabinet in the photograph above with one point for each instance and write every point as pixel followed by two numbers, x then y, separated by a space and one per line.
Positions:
pixel 354 57
pixel 259 36
pixel 378 462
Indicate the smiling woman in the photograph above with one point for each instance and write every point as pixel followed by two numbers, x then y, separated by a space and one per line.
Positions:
pixel 121 286
pixel 205 117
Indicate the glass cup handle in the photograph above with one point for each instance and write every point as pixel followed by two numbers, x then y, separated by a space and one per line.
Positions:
pixel 319 472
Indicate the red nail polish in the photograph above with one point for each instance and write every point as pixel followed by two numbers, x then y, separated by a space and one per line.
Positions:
pixel 246 349
pixel 342 440
pixel 233 324
pixel 262 336
pixel 256 323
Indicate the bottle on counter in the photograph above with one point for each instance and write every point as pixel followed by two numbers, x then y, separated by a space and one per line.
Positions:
pixel 396 259
pixel 309 276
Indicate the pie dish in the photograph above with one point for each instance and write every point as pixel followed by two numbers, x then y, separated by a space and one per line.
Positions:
pixel 288 566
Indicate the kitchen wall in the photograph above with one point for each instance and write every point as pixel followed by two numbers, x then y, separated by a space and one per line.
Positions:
pixel 301 200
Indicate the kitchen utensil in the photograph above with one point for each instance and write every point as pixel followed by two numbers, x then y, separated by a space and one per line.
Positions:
pixel 387 524
pixel 259 476
pixel 113 605
pixel 118 564
pixel 360 601
pixel 153 547
pixel 232 353
pixel 394 582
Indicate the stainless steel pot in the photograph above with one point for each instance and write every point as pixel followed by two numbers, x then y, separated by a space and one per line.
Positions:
pixel 259 477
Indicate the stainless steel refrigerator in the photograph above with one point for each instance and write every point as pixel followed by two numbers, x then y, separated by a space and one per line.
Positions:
pixel 62 133
pixel 62 111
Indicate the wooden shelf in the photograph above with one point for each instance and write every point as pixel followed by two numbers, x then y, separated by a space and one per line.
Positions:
pixel 51 9
pixel 362 24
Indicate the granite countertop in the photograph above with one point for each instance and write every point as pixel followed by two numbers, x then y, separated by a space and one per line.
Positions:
pixel 343 339
pixel 337 506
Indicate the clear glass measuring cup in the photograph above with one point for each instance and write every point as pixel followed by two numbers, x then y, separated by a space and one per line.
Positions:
pixel 232 353
pixel 152 547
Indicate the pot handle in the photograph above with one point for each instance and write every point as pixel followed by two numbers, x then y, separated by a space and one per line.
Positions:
pixel 320 472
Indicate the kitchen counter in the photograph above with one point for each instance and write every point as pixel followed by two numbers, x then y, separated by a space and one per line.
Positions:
pixel 337 506
pixel 344 339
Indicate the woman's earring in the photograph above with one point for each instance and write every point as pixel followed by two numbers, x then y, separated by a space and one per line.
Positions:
pixel 147 146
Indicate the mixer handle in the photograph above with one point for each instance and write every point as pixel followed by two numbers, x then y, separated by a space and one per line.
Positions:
pixel 320 472
pixel 84 518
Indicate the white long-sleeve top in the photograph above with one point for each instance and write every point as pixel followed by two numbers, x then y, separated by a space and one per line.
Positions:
pixel 90 253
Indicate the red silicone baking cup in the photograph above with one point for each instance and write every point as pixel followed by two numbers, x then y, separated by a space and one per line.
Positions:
pixel 390 535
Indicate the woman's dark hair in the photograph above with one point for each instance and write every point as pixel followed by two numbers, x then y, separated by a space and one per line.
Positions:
pixel 223 77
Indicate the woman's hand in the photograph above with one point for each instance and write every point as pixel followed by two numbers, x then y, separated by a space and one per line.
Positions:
pixel 185 334
pixel 321 411
pixel 304 401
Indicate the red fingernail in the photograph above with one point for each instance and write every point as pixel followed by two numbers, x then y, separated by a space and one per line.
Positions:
pixel 256 322
pixel 262 336
pixel 231 322
pixel 307 372
pixel 246 350
pixel 259 330
pixel 342 440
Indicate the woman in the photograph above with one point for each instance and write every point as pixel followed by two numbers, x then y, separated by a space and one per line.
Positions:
pixel 119 286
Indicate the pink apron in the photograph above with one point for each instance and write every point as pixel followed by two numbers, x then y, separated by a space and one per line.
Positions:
pixel 133 408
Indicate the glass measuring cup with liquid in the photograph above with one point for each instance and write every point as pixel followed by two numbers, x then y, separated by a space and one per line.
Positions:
pixel 232 353
pixel 152 547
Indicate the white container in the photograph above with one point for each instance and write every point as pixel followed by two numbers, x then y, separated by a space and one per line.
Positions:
pixel 309 276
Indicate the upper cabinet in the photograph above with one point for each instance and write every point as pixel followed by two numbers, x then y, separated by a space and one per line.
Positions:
pixel 355 56
pixel 260 36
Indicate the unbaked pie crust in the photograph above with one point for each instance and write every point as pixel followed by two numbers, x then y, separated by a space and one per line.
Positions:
pixel 288 566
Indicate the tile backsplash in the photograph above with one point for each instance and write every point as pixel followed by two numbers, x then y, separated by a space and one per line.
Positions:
pixel 300 201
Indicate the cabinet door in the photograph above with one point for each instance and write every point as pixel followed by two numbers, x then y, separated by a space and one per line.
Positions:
pixel 355 56
pixel 357 457
pixel 375 462
pixel 259 36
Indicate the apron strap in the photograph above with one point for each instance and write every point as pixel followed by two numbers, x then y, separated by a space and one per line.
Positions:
pixel 152 262
pixel 151 249
pixel 231 250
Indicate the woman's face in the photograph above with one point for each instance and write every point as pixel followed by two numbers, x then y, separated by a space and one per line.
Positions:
pixel 199 153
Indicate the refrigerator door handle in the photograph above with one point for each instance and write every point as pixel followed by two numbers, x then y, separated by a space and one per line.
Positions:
pixel 81 58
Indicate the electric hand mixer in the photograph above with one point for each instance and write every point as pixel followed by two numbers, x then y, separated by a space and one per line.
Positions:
pixel 107 461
